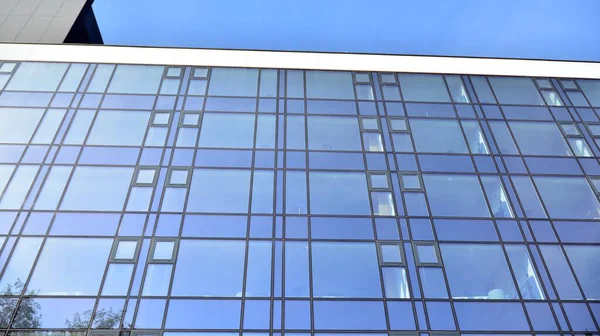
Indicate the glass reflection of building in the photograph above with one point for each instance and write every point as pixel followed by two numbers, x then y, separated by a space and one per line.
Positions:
pixel 196 200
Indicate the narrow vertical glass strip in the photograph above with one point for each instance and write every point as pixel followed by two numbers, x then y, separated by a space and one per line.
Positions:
pixel 73 78
pixel 482 88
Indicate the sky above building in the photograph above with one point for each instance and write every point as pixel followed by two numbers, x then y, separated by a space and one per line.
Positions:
pixel 536 29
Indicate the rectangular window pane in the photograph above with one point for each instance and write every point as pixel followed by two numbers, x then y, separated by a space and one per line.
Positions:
pixel 418 87
pixel 455 195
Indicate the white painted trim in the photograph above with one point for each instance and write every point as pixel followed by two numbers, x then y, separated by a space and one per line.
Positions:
pixel 298 60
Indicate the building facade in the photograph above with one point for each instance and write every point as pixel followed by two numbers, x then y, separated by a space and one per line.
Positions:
pixel 198 192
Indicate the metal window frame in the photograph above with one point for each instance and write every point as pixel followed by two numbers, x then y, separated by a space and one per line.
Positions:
pixel 391 263
pixel 15 65
pixel 587 126
pixel 361 118
pixel 577 88
pixel 182 123
pixel 357 81
pixel 391 128
pixel 436 248
pixel 153 115
pixel 387 74
pixel 136 253
pixel 193 75
pixel 388 179
pixel 137 173
pixel 419 177
pixel 564 133
pixel 155 241
pixel 537 82
pixel 181 72
pixel 178 185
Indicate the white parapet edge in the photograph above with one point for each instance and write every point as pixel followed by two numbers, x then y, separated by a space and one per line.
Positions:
pixel 297 60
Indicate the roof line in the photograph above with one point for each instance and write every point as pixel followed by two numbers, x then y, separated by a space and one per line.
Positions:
pixel 298 60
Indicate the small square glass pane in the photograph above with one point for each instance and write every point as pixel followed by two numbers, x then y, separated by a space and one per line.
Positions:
pixel 570 129
pixel 370 124
pixel 362 78
pixel 161 118
pixel 391 254
pixel 8 67
pixel 379 181
pixel 163 250
pixel 200 73
pixel 178 177
pixel 544 83
pixel 174 72
pixel 568 84
pixel 145 176
pixel 411 182
pixel 427 254
pixel 388 78
pixel 191 119
pixel 399 125
pixel 551 97
pixel 126 250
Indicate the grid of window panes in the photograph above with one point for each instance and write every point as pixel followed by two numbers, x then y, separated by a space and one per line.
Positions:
pixel 189 201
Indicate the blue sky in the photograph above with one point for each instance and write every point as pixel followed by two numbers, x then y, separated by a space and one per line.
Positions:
pixel 539 29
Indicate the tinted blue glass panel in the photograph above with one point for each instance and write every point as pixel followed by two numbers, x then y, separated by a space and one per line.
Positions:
pixel 330 107
pixel 568 197
pixel 219 191
pixel 490 316
pixel 401 315
pixel 339 193
pixel 333 133
pixel 297 314
pixel 150 314
pixel 441 163
pixel 578 232
pixel 527 133
pixel 513 90
pixel 584 260
pixel 341 228
pixel 478 272
pixel 455 195
pixel 468 230
pixel 227 130
pixel 323 160
pixel 348 315
pixel 136 79
pixel 47 76
pixel 55 313
pixel 418 87
pixel 591 88
pixel 541 316
pixel 80 224
pixel 16 273
pixel 17 125
pixel 345 270
pixel 560 273
pixel 110 186
pixel 257 314
pixel 579 317
pixel 203 314
pixel 329 84
pixel 438 136
pixel 225 277
pixel 233 82
pixel 296 269
pixel 119 128
pixel 553 166
pixel 440 316
pixel 70 266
